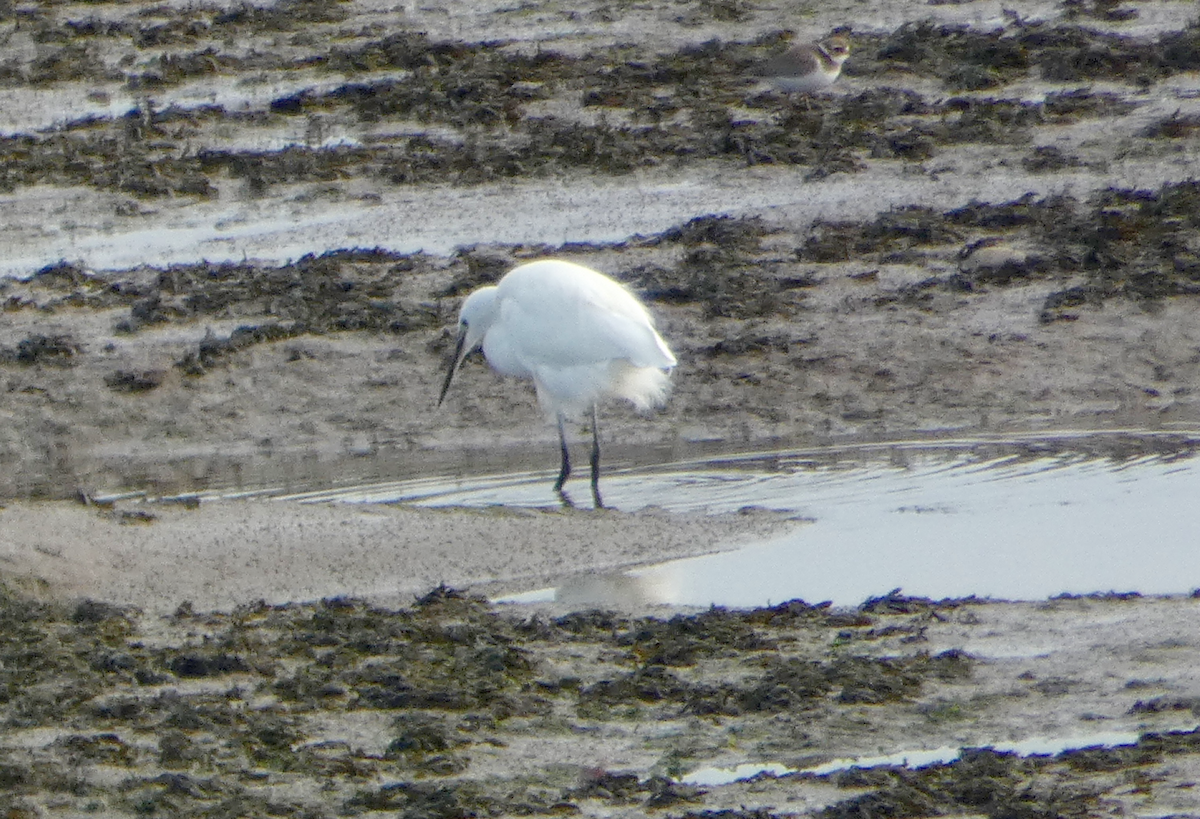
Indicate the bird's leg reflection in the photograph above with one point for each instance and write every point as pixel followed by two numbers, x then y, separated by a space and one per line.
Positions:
pixel 565 472
pixel 596 461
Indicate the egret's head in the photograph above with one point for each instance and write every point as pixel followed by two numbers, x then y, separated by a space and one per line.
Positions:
pixel 474 318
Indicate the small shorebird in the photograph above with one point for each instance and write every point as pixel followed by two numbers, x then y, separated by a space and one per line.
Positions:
pixel 807 67
pixel 580 336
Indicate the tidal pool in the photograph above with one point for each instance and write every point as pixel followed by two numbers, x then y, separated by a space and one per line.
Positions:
pixel 1017 518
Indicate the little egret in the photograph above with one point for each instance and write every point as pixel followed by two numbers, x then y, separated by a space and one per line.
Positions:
pixel 579 335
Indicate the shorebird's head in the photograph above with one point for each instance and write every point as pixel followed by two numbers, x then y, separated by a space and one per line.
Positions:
pixel 476 315
pixel 837 48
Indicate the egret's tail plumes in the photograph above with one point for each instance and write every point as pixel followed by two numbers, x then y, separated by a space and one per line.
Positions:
pixel 644 387
pixel 574 391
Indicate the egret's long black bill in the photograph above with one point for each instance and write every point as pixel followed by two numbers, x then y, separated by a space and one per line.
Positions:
pixel 455 360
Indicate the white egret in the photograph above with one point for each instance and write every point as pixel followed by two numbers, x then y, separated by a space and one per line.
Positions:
pixel 578 335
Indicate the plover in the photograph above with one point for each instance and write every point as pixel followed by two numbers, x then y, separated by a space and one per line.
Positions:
pixel 807 67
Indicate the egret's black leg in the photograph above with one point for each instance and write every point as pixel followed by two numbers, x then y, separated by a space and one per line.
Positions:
pixel 596 461
pixel 565 472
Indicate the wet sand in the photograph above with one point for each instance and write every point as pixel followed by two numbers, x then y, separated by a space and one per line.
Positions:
pixel 224 554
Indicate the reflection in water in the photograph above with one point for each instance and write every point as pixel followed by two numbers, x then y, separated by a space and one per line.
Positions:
pixel 623 590
pixel 1014 519
pixel 1006 528
pixel 937 522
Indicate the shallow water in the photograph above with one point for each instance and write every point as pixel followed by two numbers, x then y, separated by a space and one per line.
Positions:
pixel 1019 519
pixel 1012 520
pixel 1034 746
pixel 954 525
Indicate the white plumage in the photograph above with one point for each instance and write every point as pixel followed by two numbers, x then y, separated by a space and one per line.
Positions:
pixel 578 335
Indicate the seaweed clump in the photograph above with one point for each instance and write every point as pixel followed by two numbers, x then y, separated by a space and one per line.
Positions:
pixel 722 268
pixel 1121 243
pixel 981 780
pixel 893 236
pixel 785 684
pixel 59 350
pixel 242 700
pixel 963 59
pixel 968 60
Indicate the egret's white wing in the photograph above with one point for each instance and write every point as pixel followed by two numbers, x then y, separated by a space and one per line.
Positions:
pixel 557 314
